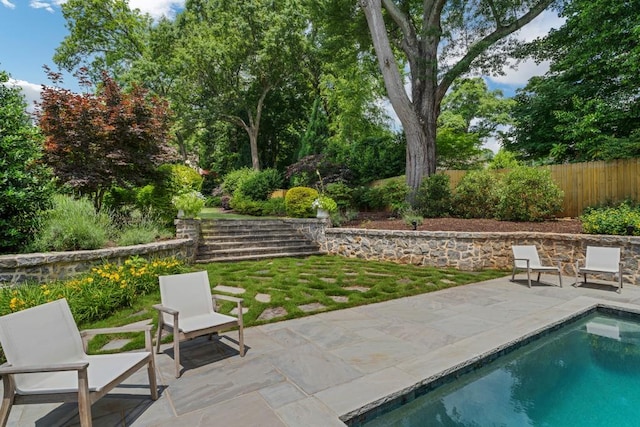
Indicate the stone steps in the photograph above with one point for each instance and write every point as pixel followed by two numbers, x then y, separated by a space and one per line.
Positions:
pixel 237 240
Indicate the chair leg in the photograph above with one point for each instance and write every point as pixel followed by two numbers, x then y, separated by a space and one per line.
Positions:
pixel 153 383
pixel 159 332
pixel 513 274
pixel 241 340
pixel 84 402
pixel 7 399
pixel 176 351
pixel 538 277
pixel 529 277
pixel 560 274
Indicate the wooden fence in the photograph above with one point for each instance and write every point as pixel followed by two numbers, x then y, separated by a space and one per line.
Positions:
pixel 589 184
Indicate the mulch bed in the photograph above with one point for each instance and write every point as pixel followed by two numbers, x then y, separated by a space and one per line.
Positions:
pixel 381 221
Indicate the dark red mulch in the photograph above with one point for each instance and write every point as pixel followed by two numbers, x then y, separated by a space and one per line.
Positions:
pixel 381 221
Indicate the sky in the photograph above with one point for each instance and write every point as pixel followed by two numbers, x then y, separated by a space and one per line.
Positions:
pixel 31 30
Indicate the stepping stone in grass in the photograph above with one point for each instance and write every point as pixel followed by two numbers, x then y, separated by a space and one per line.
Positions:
pixel 272 313
pixel 357 288
pixel 229 289
pixel 339 298
pixel 263 297
pixel 314 306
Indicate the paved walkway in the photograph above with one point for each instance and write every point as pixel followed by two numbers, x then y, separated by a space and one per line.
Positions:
pixel 308 372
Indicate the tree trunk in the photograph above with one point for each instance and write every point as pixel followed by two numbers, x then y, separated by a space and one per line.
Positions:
pixel 253 143
pixel 420 130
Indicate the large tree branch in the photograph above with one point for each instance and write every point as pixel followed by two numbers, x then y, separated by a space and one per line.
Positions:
pixel 482 45
pixel 410 42
pixel 391 74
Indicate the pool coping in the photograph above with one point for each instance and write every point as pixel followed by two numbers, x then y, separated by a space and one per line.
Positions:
pixel 568 312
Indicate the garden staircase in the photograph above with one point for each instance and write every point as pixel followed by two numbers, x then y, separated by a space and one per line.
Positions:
pixel 239 240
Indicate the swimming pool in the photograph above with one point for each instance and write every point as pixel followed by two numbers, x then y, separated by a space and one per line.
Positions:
pixel 585 373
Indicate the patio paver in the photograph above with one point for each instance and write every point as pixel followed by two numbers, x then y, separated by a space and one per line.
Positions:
pixel 312 370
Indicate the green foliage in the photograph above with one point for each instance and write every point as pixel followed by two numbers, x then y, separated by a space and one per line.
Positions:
pixel 25 184
pixel 528 194
pixel 73 224
pixel 368 198
pixel 260 184
pixel 341 194
pixel 242 204
pixel 173 180
pixel 275 206
pixel 412 216
pixel 433 199
pixel 298 201
pixel 190 203
pixel 622 219
pixel 97 294
pixel 504 159
pixel 373 158
pixel 326 203
pixel 476 196
pixel 394 195
pixel 234 179
pixel 140 229
pixel 586 106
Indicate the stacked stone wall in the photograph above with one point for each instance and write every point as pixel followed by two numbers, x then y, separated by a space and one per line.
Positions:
pixel 474 251
pixel 49 266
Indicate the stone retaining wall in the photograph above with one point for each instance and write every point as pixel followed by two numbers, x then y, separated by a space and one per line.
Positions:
pixel 44 267
pixel 474 251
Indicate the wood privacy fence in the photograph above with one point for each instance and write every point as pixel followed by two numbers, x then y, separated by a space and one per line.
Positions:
pixel 588 184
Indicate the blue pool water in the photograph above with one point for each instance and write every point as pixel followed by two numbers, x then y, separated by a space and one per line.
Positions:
pixel 585 374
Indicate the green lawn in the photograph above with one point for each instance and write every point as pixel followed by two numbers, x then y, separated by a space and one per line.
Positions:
pixel 325 282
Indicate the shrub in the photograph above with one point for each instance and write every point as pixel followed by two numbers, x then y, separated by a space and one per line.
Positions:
pixel 140 229
pixel 615 220
pixel 244 205
pixel 325 203
pixel 234 179
pixel 528 194
pixel 174 180
pixel 476 195
pixel 433 198
pixel 73 224
pixel 274 207
pixel 25 183
pixel 411 216
pixel 190 203
pixel 298 201
pixel 394 195
pixel 341 194
pixel 260 185
pixel 368 198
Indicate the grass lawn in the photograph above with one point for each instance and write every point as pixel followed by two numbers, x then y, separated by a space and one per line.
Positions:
pixel 317 283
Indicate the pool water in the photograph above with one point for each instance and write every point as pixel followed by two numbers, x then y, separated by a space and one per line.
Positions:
pixel 585 374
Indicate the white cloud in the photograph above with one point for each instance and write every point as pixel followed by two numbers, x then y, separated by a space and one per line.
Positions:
pixel 30 91
pixel 157 8
pixel 7 3
pixel 518 75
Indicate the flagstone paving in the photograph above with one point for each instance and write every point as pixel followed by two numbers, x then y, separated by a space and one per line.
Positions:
pixel 312 370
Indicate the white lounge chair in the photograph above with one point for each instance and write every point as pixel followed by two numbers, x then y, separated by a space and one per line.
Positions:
pixel 47 362
pixel 525 257
pixel 600 260
pixel 188 311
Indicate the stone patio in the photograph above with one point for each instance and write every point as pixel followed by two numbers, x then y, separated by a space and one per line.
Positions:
pixel 310 371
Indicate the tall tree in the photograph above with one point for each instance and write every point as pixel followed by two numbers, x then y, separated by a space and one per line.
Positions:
pixel 587 106
pixel 236 53
pixel 439 40
pixel 25 182
pixel 104 35
pixel 96 141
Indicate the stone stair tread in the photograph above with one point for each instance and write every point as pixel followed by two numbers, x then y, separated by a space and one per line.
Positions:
pixel 296 254
pixel 260 249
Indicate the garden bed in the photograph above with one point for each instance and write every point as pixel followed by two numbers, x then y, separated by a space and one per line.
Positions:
pixel 381 221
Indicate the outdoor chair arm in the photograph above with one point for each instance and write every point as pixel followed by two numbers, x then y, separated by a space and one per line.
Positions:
pixel 7 369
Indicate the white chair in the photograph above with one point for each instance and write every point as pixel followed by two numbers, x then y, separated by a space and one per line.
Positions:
pixel 600 260
pixel 525 257
pixel 188 311
pixel 47 362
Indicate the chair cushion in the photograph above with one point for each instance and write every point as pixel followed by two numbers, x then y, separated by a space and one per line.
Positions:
pixel 196 323
pixel 103 369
